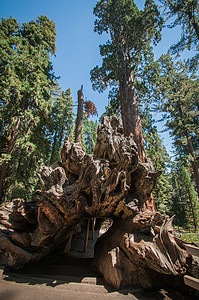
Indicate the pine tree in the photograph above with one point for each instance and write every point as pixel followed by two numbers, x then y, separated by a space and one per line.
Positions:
pixel 63 121
pixel 89 135
pixel 178 202
pixel 184 199
pixel 26 79
pixel 180 107
pixel 186 15
pixel 156 151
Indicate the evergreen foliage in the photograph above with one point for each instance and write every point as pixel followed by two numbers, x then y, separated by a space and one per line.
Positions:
pixel 89 134
pixel 184 198
pixel 26 79
pixel 129 51
pixel 113 107
pixel 179 93
pixel 156 151
pixel 63 121
pixel 126 56
pixel 186 14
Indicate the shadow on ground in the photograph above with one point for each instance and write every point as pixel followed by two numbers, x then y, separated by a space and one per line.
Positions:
pixel 64 270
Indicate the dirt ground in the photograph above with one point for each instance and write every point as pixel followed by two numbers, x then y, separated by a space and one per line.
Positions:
pixel 69 278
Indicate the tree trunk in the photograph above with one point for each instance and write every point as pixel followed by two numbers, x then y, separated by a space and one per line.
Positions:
pixel 78 129
pixel 129 105
pixel 192 210
pixel 195 168
pixel 194 164
pixel 4 167
pixel 130 114
pixel 3 174
pixel 193 21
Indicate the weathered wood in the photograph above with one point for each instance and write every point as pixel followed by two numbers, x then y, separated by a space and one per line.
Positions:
pixel 192 282
pixel 130 247
pixel 78 128
pixel 192 250
pixel 189 280
pixel 93 221
pixel 68 244
pixel 112 183
pixel 87 235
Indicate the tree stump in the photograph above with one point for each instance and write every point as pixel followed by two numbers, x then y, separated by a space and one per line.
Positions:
pixel 111 183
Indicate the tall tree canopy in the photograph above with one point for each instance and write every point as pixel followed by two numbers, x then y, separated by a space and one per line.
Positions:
pixel 184 204
pixel 125 55
pixel 186 14
pixel 180 107
pixel 26 79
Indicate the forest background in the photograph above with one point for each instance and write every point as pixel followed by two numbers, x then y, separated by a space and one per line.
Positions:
pixel 37 108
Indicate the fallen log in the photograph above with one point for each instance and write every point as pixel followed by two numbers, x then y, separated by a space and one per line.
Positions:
pixel 111 183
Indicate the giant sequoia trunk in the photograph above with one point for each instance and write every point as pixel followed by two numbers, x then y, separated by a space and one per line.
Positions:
pixel 128 102
pixel 112 183
pixel 130 115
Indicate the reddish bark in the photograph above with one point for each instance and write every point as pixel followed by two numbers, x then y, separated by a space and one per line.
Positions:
pixel 132 123
pixel 130 117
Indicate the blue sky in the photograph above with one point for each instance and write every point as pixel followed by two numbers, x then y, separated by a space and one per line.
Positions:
pixel 77 43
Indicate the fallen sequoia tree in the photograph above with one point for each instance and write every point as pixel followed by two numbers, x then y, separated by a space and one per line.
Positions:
pixel 110 183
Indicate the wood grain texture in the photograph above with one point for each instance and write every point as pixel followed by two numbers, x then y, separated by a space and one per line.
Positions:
pixel 112 183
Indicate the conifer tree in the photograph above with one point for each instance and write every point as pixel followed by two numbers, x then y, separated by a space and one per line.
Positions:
pixel 89 134
pixel 185 14
pixel 178 201
pixel 184 198
pixel 180 106
pixel 26 79
pixel 156 151
pixel 63 121
pixel 132 32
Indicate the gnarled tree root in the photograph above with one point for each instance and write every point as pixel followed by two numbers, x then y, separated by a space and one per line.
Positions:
pixel 111 183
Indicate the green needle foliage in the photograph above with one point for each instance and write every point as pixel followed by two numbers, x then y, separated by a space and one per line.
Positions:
pixel 26 79
pixel 128 52
pixel 63 121
pixel 179 104
pixel 184 198
pixel 89 134
pixel 186 15
pixel 113 107
pixel 131 33
pixel 156 151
